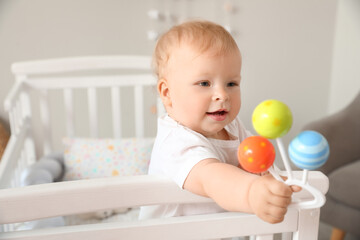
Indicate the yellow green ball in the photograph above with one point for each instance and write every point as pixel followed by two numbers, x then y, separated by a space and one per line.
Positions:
pixel 272 119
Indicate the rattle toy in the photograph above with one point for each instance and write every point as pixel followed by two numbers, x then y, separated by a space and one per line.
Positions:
pixel 256 154
pixel 309 150
pixel 273 119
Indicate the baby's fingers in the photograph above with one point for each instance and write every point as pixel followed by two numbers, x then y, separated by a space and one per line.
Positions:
pixel 274 214
pixel 296 188
pixel 280 189
pixel 272 219
pixel 279 201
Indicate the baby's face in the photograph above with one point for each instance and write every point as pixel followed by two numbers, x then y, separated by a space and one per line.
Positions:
pixel 204 89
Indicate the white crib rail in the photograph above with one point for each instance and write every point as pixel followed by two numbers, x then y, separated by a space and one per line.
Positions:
pixel 51 66
pixel 92 83
pixel 210 226
pixel 49 200
pixel 43 76
pixel 19 152
pixel 17 104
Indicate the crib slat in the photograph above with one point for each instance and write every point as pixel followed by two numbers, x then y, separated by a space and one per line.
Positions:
pixel 20 167
pixel 18 114
pixel 25 103
pixel 286 236
pixel 116 113
pixel 30 150
pixel 139 111
pixel 12 122
pixel 69 112
pixel 93 115
pixel 160 109
pixel 308 225
pixel 12 154
pixel 29 144
pixel 45 120
pixel 265 237
pixel 14 93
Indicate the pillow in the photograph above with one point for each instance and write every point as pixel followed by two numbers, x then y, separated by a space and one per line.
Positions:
pixel 86 158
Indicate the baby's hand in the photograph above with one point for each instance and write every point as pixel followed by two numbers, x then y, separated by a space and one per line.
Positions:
pixel 270 198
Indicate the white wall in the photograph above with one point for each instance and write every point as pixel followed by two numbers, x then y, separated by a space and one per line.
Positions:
pixel 39 29
pixel 287 49
pixel 345 82
pixel 287 45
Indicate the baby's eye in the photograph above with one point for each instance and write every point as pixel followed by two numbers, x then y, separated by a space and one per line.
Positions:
pixel 233 84
pixel 204 83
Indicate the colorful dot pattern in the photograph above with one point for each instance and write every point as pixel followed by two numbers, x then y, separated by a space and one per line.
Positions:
pixel 86 158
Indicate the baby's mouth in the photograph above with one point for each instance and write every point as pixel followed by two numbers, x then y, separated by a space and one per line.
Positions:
pixel 218 113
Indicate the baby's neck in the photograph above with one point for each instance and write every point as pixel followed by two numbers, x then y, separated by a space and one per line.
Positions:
pixel 222 135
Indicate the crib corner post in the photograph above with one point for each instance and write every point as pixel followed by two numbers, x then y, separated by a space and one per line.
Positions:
pixel 308 224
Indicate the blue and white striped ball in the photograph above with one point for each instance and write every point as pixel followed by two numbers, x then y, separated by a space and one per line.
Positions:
pixel 309 150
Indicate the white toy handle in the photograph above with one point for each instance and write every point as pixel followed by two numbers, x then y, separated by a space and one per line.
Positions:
pixel 317 202
pixel 319 198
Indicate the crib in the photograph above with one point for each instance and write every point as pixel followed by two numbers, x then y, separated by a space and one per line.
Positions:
pixel 92 74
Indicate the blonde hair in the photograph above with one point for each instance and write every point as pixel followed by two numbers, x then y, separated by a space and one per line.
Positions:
pixel 203 35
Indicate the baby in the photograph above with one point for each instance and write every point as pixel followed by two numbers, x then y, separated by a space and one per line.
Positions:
pixel 198 65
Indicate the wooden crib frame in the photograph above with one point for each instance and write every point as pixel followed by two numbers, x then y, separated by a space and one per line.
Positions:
pixel 21 204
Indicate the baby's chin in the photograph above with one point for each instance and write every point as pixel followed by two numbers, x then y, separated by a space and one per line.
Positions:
pixel 216 133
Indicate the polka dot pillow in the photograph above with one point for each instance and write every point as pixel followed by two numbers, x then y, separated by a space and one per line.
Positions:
pixel 86 158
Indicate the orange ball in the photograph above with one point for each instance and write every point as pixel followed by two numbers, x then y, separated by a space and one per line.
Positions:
pixel 256 154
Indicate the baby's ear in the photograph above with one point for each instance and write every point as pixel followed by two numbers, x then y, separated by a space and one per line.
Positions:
pixel 164 92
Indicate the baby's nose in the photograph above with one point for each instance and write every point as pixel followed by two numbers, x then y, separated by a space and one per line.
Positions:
pixel 220 94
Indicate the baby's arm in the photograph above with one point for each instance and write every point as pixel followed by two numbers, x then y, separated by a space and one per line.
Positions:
pixel 236 190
